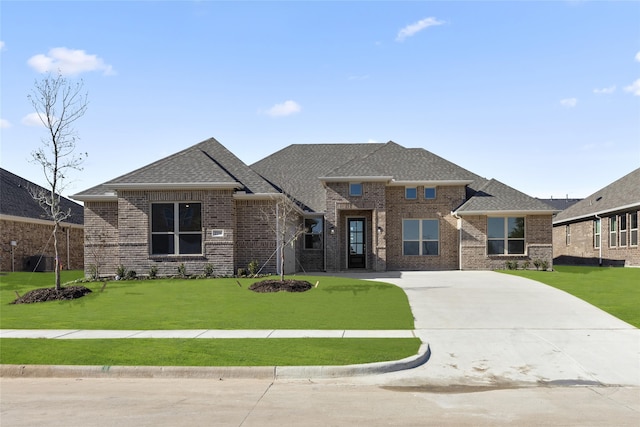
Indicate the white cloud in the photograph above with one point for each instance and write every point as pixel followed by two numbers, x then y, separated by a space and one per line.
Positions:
pixel 285 109
pixel 69 62
pixel 413 29
pixel 634 88
pixel 2 45
pixel 569 102
pixel 605 90
pixel 5 124
pixel 33 119
pixel 638 57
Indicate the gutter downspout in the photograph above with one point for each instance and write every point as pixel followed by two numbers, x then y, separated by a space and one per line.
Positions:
pixel 459 220
pixel 599 246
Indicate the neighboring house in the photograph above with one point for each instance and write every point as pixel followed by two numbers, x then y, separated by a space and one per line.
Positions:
pixel 602 229
pixel 26 233
pixel 360 207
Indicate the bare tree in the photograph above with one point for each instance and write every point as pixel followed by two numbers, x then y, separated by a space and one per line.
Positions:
pixel 58 103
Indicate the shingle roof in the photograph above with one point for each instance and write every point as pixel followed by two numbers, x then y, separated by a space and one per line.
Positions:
pixel 621 194
pixel 206 164
pixel 497 197
pixel 16 200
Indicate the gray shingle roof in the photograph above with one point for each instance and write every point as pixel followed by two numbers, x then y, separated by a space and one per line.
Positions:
pixel 16 200
pixel 497 197
pixel 621 194
pixel 206 164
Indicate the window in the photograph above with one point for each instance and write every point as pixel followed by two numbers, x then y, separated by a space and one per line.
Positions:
pixel 171 237
pixel 505 236
pixel 313 228
pixel 567 232
pixel 633 223
pixel 411 193
pixel 596 233
pixel 420 237
pixel 613 232
pixel 622 224
pixel 355 189
pixel 429 193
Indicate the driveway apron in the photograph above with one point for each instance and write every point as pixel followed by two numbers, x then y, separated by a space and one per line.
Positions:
pixel 492 329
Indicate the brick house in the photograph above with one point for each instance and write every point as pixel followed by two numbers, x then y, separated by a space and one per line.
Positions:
pixel 601 229
pixel 355 207
pixel 26 232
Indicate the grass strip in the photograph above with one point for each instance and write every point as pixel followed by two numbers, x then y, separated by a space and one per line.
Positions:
pixel 223 303
pixel 206 352
pixel 612 289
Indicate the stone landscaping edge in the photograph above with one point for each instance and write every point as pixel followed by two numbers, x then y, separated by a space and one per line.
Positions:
pixel 217 372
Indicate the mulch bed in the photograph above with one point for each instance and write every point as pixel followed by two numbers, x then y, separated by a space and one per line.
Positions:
pixel 281 285
pixel 50 294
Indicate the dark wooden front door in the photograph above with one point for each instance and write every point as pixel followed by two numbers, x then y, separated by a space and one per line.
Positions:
pixel 357 252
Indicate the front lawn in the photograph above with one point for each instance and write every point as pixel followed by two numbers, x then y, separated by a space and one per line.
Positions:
pixel 337 303
pixel 615 290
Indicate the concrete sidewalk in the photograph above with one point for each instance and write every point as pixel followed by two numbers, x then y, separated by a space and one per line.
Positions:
pixel 203 333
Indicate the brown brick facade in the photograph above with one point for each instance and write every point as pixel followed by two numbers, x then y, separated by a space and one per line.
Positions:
pixel 538 243
pixel 580 248
pixel 34 238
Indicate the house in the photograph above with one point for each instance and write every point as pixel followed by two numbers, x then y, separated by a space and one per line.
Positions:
pixel 351 207
pixel 601 229
pixel 26 233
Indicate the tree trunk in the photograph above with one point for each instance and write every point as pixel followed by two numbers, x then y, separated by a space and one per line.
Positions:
pixel 57 258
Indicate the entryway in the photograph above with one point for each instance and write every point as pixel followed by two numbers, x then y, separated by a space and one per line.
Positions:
pixel 356 258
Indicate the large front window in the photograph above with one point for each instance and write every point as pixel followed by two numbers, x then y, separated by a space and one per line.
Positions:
pixel 420 237
pixel 505 236
pixel 176 228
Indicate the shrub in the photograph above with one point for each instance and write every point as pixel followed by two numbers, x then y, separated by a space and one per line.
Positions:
pixel 153 272
pixel 94 274
pixel 526 265
pixel 512 265
pixel 121 272
pixel 182 270
pixel 253 267
pixel 208 270
pixel 544 265
pixel 242 272
pixel 537 263
pixel 131 275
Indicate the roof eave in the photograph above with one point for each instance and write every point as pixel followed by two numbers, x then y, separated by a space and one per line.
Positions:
pixel 434 183
pixel 597 213
pixel 175 186
pixel 355 178
pixel 505 212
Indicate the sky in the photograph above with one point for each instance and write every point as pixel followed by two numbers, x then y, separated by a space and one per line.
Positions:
pixel 543 96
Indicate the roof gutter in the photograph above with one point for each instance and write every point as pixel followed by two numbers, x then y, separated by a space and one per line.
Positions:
pixel 507 212
pixel 174 186
pixel 356 178
pixel 597 214
pixel 433 183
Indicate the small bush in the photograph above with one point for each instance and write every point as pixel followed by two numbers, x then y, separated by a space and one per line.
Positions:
pixel 526 265
pixel 153 272
pixel 94 274
pixel 242 272
pixel 208 270
pixel 253 267
pixel 131 275
pixel 182 270
pixel 121 272
pixel 544 265
pixel 512 265
pixel 537 263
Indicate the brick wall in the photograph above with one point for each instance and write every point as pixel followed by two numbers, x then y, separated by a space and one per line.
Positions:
pixel 256 236
pixel 399 208
pixel 35 238
pixel 581 250
pixel 538 243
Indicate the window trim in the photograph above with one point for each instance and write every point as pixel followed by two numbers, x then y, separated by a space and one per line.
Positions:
pixel 420 240
pixel 633 231
pixel 435 193
pixel 597 233
pixel 622 232
pixel 351 188
pixel 567 232
pixel 176 233
pixel 613 231
pixel 309 233
pixel 506 239
pixel 406 193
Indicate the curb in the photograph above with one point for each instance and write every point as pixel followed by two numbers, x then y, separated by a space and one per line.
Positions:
pixel 222 372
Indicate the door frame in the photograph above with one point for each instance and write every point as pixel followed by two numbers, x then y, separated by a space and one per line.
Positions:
pixel 365 253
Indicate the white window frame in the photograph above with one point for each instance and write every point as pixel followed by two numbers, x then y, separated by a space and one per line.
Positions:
pixel 623 232
pixel 352 186
pixel 633 235
pixel 420 240
pixel 406 193
pixel 176 233
pixel 505 238
pixel 309 233
pixel 567 232
pixel 435 193
pixel 613 231
pixel 597 233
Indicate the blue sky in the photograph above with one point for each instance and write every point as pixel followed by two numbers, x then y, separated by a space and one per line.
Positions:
pixel 543 96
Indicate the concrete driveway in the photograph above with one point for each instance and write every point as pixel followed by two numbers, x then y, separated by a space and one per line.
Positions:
pixel 491 329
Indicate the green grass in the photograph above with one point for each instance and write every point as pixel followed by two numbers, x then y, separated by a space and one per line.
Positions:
pixel 337 303
pixel 614 290
pixel 206 352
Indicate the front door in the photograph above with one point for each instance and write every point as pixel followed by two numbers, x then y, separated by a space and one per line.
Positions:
pixel 357 254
